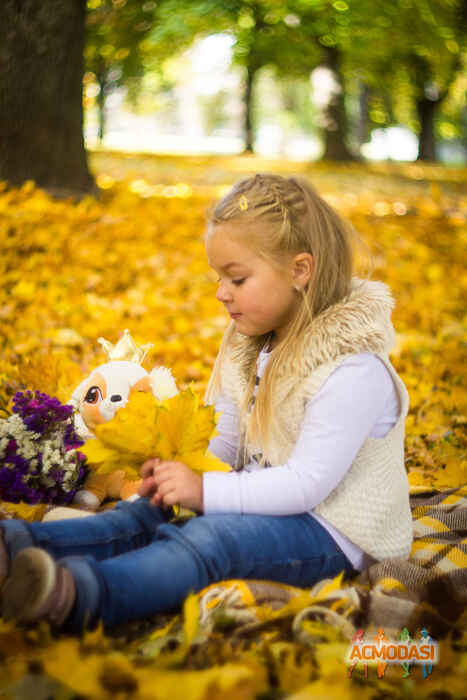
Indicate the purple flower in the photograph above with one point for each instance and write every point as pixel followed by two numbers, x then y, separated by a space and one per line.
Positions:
pixel 40 412
pixel 41 482
pixel 11 447
pixel 56 475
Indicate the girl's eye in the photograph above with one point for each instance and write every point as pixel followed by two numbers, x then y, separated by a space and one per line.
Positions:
pixel 236 282
pixel 93 395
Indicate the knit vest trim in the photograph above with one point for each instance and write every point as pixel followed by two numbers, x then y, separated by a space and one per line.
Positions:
pixel 377 477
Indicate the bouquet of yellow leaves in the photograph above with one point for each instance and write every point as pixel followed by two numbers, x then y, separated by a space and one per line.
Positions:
pixel 176 429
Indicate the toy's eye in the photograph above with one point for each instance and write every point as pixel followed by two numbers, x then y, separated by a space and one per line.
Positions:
pixel 93 395
pixel 115 397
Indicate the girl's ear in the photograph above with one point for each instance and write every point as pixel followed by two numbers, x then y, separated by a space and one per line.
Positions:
pixel 302 269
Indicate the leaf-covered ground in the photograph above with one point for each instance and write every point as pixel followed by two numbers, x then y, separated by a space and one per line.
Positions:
pixel 134 259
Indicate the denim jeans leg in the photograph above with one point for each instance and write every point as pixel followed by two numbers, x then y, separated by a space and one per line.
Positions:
pixel 17 536
pixel 293 549
pixel 205 549
pixel 128 526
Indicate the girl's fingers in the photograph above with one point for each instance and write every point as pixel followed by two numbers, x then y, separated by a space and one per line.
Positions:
pixel 166 494
pixel 155 499
pixel 162 474
pixel 168 499
pixel 158 500
pixel 147 486
pixel 148 467
pixel 165 487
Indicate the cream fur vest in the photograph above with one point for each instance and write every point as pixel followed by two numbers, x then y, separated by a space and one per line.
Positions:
pixel 370 505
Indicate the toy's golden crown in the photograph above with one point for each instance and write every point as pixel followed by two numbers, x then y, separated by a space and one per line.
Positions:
pixel 125 349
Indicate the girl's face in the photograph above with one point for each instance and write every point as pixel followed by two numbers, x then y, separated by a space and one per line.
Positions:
pixel 257 296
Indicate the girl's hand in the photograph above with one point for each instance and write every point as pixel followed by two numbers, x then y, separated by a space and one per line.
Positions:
pixel 148 486
pixel 170 483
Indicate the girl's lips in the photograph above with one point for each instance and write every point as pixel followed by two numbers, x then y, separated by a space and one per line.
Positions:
pixel 234 315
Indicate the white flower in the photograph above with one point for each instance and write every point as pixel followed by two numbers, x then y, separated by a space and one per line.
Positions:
pixel 31 445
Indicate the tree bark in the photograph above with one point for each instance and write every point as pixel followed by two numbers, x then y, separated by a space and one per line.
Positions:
pixel 248 102
pixel 426 110
pixel 101 76
pixel 363 128
pixel 41 113
pixel 335 132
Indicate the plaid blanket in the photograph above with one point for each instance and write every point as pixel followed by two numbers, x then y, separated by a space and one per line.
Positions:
pixel 429 589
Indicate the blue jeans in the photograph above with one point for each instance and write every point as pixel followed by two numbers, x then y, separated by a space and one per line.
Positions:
pixel 130 562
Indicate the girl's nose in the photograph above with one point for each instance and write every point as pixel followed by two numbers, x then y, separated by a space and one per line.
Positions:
pixel 222 294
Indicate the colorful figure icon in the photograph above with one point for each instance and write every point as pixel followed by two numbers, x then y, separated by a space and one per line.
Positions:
pixel 426 668
pixel 379 639
pixel 358 639
pixel 405 637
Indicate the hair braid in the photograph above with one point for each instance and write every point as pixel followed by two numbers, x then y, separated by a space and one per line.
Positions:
pixel 279 202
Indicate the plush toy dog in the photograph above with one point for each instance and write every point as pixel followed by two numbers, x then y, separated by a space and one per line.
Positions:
pixel 98 397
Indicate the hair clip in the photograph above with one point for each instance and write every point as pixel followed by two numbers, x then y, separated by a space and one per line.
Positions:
pixel 243 203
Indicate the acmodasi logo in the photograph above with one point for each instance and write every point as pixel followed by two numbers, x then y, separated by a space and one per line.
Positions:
pixel 381 651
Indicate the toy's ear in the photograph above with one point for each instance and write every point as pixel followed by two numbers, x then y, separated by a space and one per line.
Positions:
pixel 143 384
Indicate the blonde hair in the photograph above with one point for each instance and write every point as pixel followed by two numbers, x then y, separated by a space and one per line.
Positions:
pixel 292 218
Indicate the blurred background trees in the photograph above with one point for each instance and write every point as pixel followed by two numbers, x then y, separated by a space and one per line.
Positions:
pixel 333 79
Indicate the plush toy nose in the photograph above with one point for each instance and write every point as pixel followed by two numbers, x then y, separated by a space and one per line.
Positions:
pixel 115 397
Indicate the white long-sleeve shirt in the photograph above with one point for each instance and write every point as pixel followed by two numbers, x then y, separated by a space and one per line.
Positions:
pixel 357 401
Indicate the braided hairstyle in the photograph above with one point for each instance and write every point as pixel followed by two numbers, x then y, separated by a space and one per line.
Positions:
pixel 291 218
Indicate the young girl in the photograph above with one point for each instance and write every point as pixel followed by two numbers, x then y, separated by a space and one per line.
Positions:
pixel 312 423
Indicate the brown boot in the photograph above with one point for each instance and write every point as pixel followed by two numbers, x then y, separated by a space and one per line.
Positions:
pixel 4 559
pixel 37 588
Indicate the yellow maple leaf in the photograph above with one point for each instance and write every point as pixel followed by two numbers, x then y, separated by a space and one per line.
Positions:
pixel 190 617
pixel 200 462
pixel 24 511
pixel 175 429
pixel 420 481
pixel 185 426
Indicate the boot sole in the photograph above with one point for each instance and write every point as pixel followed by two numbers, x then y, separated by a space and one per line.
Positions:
pixel 31 580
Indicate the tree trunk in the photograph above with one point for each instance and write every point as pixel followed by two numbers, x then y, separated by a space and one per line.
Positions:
pixel 336 128
pixel 363 130
pixel 248 105
pixel 426 109
pixel 41 115
pixel 102 82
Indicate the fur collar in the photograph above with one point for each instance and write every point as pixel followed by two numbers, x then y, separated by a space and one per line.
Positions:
pixel 361 322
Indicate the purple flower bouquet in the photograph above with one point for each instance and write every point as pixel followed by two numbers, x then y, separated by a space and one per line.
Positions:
pixel 39 462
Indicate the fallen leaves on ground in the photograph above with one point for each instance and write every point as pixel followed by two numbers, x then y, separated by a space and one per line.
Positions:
pixel 134 259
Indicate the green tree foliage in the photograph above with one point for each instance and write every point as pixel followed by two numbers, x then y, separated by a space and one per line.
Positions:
pixel 407 56
pixel 390 63
pixel 116 51
pixel 264 34
pixel 428 40
pixel 401 59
